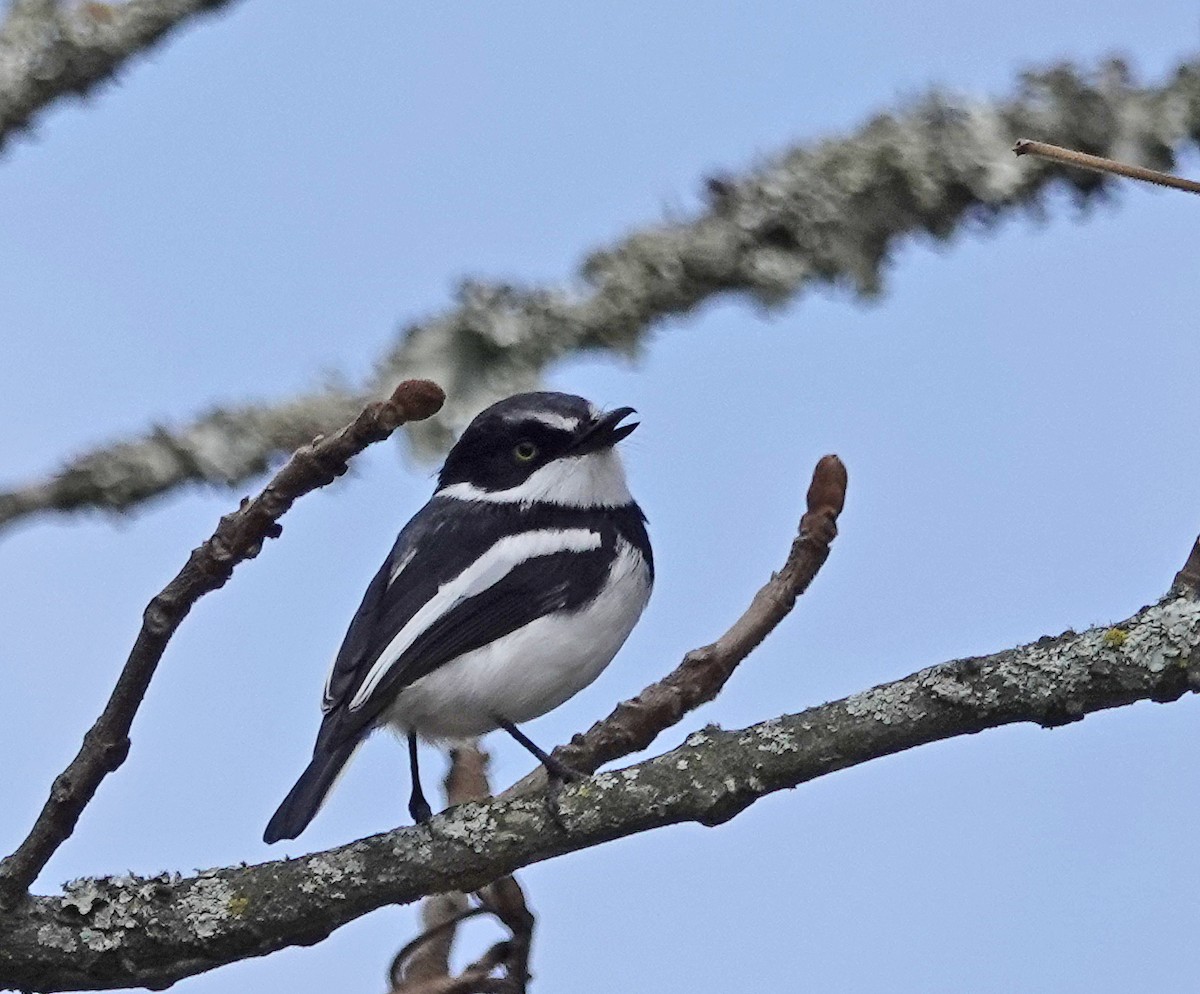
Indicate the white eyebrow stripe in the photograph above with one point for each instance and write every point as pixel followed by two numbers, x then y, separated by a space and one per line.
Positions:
pixel 549 419
pixel 486 571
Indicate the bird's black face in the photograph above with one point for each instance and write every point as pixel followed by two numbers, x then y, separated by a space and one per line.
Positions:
pixel 515 438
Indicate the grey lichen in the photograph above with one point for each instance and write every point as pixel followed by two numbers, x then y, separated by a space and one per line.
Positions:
pixel 334 875
pixel 889 704
pixel 57 937
pixel 474 827
pixel 50 50
pixel 772 736
pixel 1169 635
pixel 207 906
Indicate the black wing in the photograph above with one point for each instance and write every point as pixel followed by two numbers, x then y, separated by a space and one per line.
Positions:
pixel 436 546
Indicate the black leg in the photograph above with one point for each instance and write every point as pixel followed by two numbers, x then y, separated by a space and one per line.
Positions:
pixel 418 807
pixel 555 769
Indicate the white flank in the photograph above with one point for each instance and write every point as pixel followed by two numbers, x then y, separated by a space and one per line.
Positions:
pixel 486 571
pixel 593 480
pixel 534 669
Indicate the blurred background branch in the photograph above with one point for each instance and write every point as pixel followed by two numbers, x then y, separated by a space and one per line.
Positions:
pixel 51 49
pixel 824 213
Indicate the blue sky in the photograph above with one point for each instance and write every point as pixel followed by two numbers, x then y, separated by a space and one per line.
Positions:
pixel 259 205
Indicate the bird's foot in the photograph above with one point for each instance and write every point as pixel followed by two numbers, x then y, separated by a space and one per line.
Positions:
pixel 554 802
pixel 420 810
pixel 558 774
pixel 556 769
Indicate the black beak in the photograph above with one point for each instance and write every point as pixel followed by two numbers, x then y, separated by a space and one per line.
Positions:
pixel 605 432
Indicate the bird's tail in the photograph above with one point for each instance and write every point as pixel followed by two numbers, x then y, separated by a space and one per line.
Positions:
pixel 304 800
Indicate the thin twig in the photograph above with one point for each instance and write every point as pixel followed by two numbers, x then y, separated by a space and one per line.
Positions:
pixel 423 965
pixel 506 900
pixel 1099 164
pixel 407 967
pixel 238 537
pixel 635 723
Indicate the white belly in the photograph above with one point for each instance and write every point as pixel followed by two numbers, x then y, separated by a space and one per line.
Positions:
pixel 530 671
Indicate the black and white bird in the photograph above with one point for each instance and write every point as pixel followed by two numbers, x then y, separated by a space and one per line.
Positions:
pixel 506 594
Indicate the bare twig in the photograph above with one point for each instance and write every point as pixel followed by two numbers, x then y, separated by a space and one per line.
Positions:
pixel 427 957
pixel 823 213
pixel 423 965
pixel 635 723
pixel 506 900
pixel 1099 164
pixel 239 536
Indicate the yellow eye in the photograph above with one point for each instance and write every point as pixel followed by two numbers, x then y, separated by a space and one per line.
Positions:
pixel 525 452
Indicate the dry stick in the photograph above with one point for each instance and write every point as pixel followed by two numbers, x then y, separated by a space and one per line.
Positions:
pixel 238 537
pixel 427 957
pixel 1099 164
pixel 635 723
pixel 423 965
pixel 506 900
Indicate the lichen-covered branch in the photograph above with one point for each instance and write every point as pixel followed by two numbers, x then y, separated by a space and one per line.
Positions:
pixel 129 931
pixel 825 213
pixel 239 536
pixel 51 49
pixel 224 447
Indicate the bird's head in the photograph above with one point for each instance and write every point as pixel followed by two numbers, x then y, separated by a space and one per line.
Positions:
pixel 540 447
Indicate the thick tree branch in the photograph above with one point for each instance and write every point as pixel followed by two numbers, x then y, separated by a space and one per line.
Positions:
pixel 238 537
pixel 51 49
pixel 827 213
pixel 130 931
pixel 634 724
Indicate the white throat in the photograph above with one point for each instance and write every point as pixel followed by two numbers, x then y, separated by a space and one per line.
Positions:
pixel 593 480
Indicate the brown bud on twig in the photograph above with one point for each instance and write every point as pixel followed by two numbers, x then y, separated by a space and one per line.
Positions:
pixel 417 399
